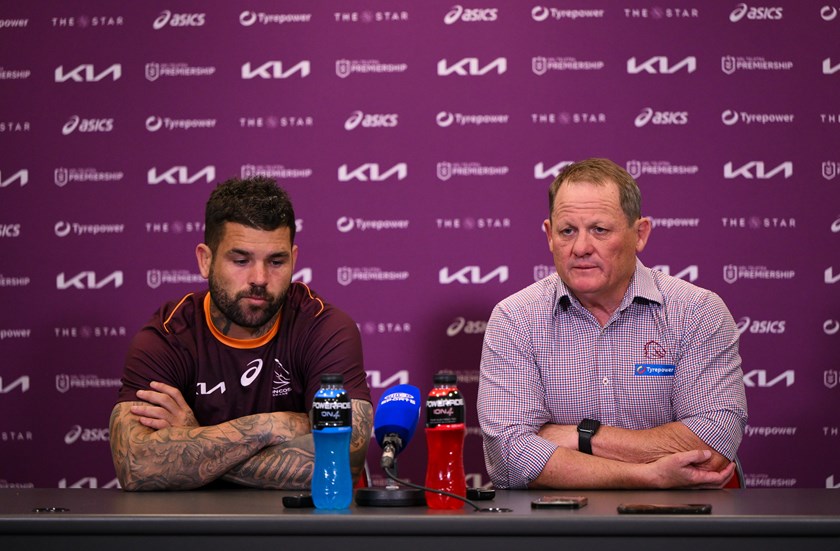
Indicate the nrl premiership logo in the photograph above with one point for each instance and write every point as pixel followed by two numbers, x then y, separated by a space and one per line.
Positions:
pixel 153 278
pixel 444 170
pixel 539 65
pixel 830 378
pixel 829 170
pixel 61 177
pixel 730 273
pixel 634 168
pixel 62 383
pixel 345 275
pixel 342 68
pixel 727 64
pixel 152 71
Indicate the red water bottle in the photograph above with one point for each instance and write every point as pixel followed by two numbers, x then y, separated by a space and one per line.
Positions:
pixel 445 431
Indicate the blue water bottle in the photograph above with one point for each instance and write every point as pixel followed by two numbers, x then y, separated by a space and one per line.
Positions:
pixel 332 482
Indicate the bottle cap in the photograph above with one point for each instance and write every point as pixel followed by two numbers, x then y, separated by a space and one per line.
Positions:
pixel 442 378
pixel 332 379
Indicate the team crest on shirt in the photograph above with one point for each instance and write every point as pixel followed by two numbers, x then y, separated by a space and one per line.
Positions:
pixel 281 383
pixel 654 350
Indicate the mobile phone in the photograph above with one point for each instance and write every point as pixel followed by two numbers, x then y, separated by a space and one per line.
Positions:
pixel 559 502
pixel 480 494
pixel 301 501
pixel 665 509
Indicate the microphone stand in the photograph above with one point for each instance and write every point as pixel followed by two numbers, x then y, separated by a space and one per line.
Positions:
pixel 391 495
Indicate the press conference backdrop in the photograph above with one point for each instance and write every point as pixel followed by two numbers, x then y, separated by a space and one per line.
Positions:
pixel 417 140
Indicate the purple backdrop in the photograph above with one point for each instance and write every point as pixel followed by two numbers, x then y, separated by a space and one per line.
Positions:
pixel 417 140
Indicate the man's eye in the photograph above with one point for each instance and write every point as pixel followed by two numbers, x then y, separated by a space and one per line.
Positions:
pixel 240 261
pixel 567 231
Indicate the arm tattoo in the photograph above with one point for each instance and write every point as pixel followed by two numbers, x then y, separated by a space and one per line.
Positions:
pixel 289 466
pixel 181 458
pixel 359 440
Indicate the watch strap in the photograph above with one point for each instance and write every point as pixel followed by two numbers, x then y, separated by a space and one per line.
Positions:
pixel 586 430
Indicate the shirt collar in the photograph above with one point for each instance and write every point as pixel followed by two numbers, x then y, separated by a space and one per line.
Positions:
pixel 642 289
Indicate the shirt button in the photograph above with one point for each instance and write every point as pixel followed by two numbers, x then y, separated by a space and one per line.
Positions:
pixel 606 381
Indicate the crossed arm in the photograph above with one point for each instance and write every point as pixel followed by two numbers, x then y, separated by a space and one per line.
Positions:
pixel 668 456
pixel 524 448
pixel 157 444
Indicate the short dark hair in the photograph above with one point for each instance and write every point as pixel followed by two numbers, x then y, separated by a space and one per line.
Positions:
pixel 257 203
pixel 601 172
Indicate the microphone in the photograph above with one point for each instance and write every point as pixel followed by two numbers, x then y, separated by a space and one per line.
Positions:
pixel 395 421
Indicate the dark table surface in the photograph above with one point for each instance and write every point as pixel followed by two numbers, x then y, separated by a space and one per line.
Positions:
pixel 764 512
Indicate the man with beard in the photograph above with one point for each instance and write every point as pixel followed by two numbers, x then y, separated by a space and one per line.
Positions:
pixel 217 385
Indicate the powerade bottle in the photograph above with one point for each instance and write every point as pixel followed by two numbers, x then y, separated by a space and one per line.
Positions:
pixel 332 483
pixel 445 431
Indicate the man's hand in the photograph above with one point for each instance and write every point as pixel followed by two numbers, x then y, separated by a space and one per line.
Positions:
pixel 168 408
pixel 684 470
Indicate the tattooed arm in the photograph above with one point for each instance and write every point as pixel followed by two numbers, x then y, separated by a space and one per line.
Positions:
pixel 288 466
pixel 186 457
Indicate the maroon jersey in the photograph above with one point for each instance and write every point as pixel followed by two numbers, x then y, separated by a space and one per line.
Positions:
pixel 223 378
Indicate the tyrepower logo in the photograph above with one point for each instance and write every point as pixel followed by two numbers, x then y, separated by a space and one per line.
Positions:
pixel 169 19
pixel 755 13
pixel 648 115
pixel 757 170
pixel 472 275
pixel 471 66
pixel 760 327
pixel 470 15
pixel 88 280
pixel 274 69
pixel 180 175
pixel 661 65
pixel 829 13
pixel 371 172
pixel 87 73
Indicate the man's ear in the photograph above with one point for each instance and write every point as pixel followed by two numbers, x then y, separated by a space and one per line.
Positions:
pixel 643 229
pixel 547 228
pixel 204 256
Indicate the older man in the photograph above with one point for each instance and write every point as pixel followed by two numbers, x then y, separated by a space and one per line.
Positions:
pixel 608 374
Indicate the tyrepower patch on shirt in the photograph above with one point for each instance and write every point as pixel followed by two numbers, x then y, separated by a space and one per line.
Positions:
pixel 654 370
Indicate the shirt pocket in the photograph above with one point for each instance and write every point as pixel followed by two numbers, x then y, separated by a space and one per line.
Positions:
pixel 647 395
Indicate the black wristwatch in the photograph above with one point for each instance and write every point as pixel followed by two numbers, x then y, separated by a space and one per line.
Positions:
pixel 586 430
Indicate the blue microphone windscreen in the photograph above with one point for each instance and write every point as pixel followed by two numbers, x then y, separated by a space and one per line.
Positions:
pixel 397 413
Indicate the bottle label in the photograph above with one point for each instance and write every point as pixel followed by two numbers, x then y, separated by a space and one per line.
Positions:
pixel 331 411
pixel 444 408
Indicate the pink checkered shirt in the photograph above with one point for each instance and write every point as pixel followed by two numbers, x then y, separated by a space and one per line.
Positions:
pixel 547 360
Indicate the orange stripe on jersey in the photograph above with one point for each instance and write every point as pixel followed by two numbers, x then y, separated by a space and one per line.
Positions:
pixel 165 328
pixel 309 292
pixel 238 343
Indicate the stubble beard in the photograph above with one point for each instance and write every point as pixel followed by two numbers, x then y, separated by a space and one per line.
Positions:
pixel 251 317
